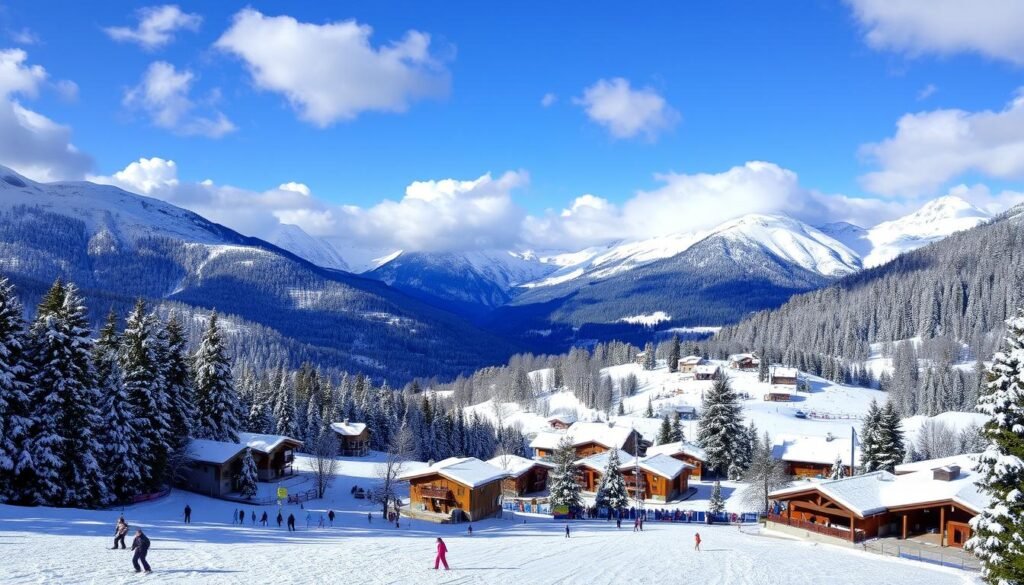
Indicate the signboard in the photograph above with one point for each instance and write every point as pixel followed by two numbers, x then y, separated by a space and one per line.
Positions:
pixel 560 512
pixel 282 493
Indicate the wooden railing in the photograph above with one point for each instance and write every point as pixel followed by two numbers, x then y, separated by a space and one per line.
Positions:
pixel 858 535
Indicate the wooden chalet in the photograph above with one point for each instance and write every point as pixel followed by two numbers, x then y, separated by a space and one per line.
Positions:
pixel 640 357
pixel 525 476
pixel 212 468
pixel 812 456
pixel 706 372
pixel 561 422
pixel 588 438
pixel 780 376
pixel 743 361
pixel 932 505
pixel 274 454
pixel 353 438
pixel 592 468
pixel 454 489
pixel 662 478
pixel 688 453
pixel 688 363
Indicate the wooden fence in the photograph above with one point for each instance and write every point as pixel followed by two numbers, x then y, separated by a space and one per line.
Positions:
pixel 841 533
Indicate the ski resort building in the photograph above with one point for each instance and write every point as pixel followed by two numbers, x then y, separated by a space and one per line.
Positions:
pixel 705 372
pixel 810 456
pixel 594 466
pixel 743 361
pixel 274 454
pixel 588 438
pixel 353 438
pixel 688 363
pixel 780 376
pixel 455 489
pixel 929 504
pixel 212 468
pixel 525 476
pixel 662 478
pixel 688 453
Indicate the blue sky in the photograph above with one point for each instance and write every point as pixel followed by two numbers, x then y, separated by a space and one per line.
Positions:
pixel 804 85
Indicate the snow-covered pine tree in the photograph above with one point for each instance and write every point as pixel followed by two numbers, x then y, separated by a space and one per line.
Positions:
pixel 998 539
pixel 716 505
pixel 178 384
pixel 869 438
pixel 838 470
pixel 565 487
pixel 650 359
pixel 677 429
pixel 673 355
pixel 120 459
pixel 891 448
pixel 665 431
pixel 284 405
pixel 314 418
pixel 248 477
pixel 765 474
pixel 64 446
pixel 720 428
pixel 216 414
pixel 611 492
pixel 649 413
pixel 15 423
pixel 622 408
pixel 762 369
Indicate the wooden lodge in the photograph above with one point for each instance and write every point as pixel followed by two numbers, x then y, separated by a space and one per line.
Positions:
pixel 588 438
pixel 662 478
pixel 777 395
pixel 932 505
pixel 743 361
pixel 780 376
pixel 274 454
pixel 455 489
pixel 561 422
pixel 353 438
pixel 706 372
pixel 593 467
pixel 688 453
pixel 525 476
pixel 812 456
pixel 212 468
pixel 688 363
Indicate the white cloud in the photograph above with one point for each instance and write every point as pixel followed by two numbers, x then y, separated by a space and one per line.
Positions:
pixel 915 27
pixel 627 112
pixel 931 148
pixel 331 72
pixel 31 143
pixel 157 26
pixel 927 92
pixel 548 100
pixel 164 92
pixel 66 89
pixel 25 36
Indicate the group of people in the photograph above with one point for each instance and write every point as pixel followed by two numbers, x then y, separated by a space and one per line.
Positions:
pixel 140 545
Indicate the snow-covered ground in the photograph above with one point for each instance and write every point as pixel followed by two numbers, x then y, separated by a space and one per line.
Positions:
pixel 45 545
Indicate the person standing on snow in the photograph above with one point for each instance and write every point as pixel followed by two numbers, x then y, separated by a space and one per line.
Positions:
pixel 470 530
pixel 141 547
pixel 309 519
pixel 234 516
pixel 567 530
pixel 442 550
pixel 120 531
pixel 330 516
pixel 254 517
pixel 279 518
pixel 188 514
pixel 291 522
pixel 696 541
pixel 263 518
pixel 369 518
pixel 241 517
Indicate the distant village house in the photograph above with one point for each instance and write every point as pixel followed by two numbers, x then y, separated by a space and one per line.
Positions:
pixel 353 438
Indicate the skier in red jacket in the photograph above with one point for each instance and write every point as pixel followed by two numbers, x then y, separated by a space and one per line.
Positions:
pixel 441 551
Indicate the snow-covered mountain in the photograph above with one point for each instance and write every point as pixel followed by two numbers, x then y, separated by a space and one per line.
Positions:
pixel 316 250
pixel 935 221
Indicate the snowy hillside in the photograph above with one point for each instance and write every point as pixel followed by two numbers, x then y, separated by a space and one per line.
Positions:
pixel 316 250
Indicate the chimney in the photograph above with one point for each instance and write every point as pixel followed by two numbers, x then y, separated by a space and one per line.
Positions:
pixel 947 473
pixel 345 421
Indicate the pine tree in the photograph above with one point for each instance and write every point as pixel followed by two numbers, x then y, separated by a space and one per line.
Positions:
pixel 284 406
pixel 565 487
pixel 891 448
pixel 216 414
pixel 64 447
pixel 720 428
pixel 248 478
pixel 611 492
pixel 15 424
pixel 838 470
pixel 998 539
pixel 178 384
pixel 649 413
pixel 765 474
pixel 869 438
pixel 622 408
pixel 665 431
pixel 673 355
pixel 762 369
pixel 119 459
pixel 650 359
pixel 716 505
pixel 677 430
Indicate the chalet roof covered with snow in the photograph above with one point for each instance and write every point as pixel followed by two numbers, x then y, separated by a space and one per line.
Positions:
pixel 691 359
pixel 664 466
pixel 781 372
pixel 563 417
pixel 217 452
pixel 705 369
pixel 738 357
pixel 930 464
pixel 469 471
pixel 874 493
pixel 264 443
pixel 676 448
pixel 811 449
pixel 581 433
pixel 516 465
pixel 348 429
pixel 599 461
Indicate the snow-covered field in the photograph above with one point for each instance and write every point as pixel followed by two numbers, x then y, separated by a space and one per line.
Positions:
pixel 45 545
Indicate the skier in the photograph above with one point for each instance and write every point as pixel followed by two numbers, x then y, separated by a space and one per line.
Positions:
pixel 696 541
pixel 330 516
pixel 241 516
pixel 369 518
pixel 188 514
pixel 291 522
pixel 279 519
pixel 470 530
pixel 442 550
pixel 234 516
pixel 254 517
pixel 263 518
pixel 141 547
pixel 636 525
pixel 618 522
pixel 120 531
pixel 567 530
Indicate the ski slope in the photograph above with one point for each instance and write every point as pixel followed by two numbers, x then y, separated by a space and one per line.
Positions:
pixel 46 545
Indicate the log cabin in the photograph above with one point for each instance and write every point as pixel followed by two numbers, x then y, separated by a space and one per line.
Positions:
pixel 931 505
pixel 780 376
pixel 592 468
pixel 706 372
pixel 686 452
pixel 688 363
pixel 812 456
pixel 561 422
pixel 212 468
pixel 353 438
pixel 274 454
pixel 588 438
pixel 454 489
pixel 743 361
pixel 525 476
pixel 662 478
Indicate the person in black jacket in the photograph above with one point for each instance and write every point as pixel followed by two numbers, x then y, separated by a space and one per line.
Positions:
pixel 141 547
pixel 188 514
pixel 291 522
pixel 280 519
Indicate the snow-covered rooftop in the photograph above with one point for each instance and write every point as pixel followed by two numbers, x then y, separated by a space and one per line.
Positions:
pixel 742 356
pixel 209 451
pixel 676 448
pixel 811 449
pixel 563 417
pixel 599 461
pixel 468 471
pixel 664 466
pixel 581 433
pixel 264 443
pixel 705 369
pixel 929 464
pixel 782 372
pixel 516 465
pixel 873 493
pixel 692 359
pixel 349 429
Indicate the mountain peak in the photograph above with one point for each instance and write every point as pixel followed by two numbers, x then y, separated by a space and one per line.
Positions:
pixel 934 221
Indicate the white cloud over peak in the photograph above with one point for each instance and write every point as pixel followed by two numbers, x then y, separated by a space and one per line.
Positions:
pixel 157 26
pixel 31 143
pixel 931 148
pixel 626 112
pixel 331 72
pixel 548 100
pixel 164 94
pixel 915 27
